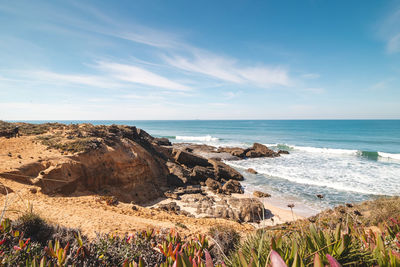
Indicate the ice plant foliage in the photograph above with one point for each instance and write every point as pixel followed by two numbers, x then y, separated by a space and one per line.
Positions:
pixel 314 246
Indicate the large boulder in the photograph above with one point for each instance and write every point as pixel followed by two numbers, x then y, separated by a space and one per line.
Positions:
pixel 178 175
pixel 263 151
pixel 200 174
pixel 247 209
pixel 225 172
pixel 213 185
pixel 189 159
pixel 232 186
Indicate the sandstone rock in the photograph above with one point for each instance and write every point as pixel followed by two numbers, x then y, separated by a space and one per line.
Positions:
pixel 162 141
pixel 172 195
pixel 189 159
pixel 239 153
pixel 232 186
pixel 213 185
pixel 248 209
pixel 253 154
pixel 179 175
pixel 223 171
pixel 200 174
pixel 33 190
pixel 263 151
pixel 253 171
pixel 4 190
pixel 187 190
pixel 261 194
pixel 170 207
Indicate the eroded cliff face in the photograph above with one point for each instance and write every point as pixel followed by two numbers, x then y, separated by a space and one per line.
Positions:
pixel 119 160
pixel 126 170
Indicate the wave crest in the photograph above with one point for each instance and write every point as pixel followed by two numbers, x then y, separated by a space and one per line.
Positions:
pixel 373 155
pixel 206 138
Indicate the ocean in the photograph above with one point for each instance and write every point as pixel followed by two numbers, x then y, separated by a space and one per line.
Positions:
pixel 345 160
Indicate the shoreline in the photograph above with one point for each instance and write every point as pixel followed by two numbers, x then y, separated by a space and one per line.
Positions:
pixel 121 150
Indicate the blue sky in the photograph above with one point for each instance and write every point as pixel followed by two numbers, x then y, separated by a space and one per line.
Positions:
pixel 133 60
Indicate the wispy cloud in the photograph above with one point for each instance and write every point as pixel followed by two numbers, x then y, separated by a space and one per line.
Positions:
pixel 229 70
pixel 382 85
pixel 390 31
pixel 76 79
pixel 393 45
pixel 134 74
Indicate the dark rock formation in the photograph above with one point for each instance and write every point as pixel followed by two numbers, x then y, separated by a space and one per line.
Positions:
pixel 256 151
pixel 223 171
pixel 232 186
pixel 213 185
pixel 190 160
pixel 253 171
pixel 261 194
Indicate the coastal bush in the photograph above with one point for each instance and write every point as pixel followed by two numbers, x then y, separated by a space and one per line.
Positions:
pixel 286 245
pixel 298 247
pixel 226 240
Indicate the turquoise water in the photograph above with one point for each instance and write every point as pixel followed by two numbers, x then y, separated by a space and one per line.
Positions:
pixel 346 160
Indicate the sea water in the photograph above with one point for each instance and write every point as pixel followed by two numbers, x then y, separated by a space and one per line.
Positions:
pixel 345 160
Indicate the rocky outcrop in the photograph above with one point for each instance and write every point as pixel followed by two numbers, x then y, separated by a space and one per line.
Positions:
pixel 232 186
pixel 261 194
pixel 213 185
pixel 225 172
pixel 189 159
pixel 237 209
pixel 201 174
pixel 256 151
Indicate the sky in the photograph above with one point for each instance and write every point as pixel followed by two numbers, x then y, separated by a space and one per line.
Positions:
pixel 176 59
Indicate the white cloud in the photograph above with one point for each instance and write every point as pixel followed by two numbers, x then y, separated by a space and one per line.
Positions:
pixel 62 79
pixel 134 74
pixel 229 70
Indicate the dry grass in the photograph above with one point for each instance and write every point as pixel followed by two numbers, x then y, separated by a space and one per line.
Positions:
pixel 368 213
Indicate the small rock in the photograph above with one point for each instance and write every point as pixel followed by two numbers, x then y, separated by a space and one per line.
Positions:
pixel 19 156
pixel 33 190
pixel 172 195
pixel 261 194
pixel 134 207
pixel 172 206
pixel 251 170
pixel 283 152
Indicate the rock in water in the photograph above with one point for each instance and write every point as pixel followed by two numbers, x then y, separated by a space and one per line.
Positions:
pixel 261 194
pixel 251 170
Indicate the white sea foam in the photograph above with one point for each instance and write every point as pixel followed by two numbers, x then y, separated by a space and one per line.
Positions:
pixel 344 177
pixel 206 138
pixel 336 151
pixel 389 155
